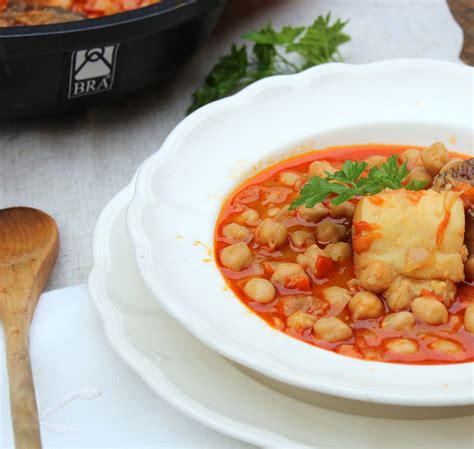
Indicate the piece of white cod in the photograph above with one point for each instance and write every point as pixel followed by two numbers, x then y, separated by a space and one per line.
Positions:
pixel 414 235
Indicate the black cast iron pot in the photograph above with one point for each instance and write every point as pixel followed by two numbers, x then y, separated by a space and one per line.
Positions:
pixel 49 69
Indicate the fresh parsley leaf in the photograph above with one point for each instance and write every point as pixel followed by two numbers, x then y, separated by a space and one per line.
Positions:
pixel 313 45
pixel 314 191
pixel 390 173
pixel 267 35
pixel 321 41
pixel 416 185
pixel 349 174
pixel 225 78
pixel 265 56
pixel 348 183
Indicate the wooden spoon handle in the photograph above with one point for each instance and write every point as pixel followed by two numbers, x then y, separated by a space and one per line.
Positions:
pixel 26 427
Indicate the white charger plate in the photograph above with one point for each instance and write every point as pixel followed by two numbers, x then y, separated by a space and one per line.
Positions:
pixel 212 390
pixel 181 188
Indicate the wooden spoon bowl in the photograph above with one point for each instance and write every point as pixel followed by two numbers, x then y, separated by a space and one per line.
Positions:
pixel 29 243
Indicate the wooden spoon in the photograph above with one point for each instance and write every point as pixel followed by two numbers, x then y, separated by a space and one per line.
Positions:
pixel 29 245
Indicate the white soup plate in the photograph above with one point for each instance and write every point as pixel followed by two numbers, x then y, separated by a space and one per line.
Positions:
pixel 181 189
pixel 212 390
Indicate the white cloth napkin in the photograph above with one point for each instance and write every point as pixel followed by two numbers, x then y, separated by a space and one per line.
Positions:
pixel 87 397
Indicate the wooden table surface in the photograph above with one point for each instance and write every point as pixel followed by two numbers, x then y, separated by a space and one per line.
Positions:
pixel 463 12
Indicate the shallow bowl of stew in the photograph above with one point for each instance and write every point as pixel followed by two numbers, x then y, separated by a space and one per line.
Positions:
pixel 367 299
pixel 63 55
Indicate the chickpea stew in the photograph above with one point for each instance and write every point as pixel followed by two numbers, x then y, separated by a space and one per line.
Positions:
pixel 385 276
pixel 44 12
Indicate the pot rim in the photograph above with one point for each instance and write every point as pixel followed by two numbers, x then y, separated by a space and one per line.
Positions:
pixel 194 7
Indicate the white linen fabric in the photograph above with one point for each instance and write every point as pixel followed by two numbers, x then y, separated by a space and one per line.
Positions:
pixel 87 396
pixel 71 165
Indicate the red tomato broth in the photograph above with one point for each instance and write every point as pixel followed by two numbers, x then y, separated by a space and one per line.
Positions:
pixel 42 12
pixel 98 8
pixel 369 339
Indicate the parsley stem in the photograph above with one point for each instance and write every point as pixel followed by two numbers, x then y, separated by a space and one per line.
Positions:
pixel 288 63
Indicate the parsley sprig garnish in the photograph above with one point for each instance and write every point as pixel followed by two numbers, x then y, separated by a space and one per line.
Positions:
pixel 313 45
pixel 348 183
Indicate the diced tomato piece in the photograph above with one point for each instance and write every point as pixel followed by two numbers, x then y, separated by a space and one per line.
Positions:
pixel 363 243
pixel 268 269
pixel 303 283
pixel 324 267
pixel 376 200
pixel 442 228
pixel 468 196
pixel 364 226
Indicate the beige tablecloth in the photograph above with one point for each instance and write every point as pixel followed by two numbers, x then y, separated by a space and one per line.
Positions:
pixel 70 166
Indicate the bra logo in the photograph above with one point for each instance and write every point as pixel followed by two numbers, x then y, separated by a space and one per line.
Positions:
pixel 92 70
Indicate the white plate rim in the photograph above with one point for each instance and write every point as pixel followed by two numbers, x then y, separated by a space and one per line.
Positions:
pixel 143 197
pixel 111 320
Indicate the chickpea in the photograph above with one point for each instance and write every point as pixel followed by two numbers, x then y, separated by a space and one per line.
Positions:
pixel 278 323
pixel 344 210
pixel 376 277
pixel 315 213
pixel 271 233
pixel 469 268
pixel 310 257
pixel 299 321
pixel 353 285
pixel 410 155
pixel 338 298
pixel 288 273
pixel 365 305
pixel 290 179
pixel 330 232
pixel 235 231
pixel 430 310
pixel 444 290
pixel 282 214
pixel 402 346
pixel 452 163
pixel 299 303
pixel 349 351
pixel 400 294
pixel 236 257
pixel 301 239
pixel 273 212
pixel 446 346
pixel 339 251
pixel 434 158
pixel 318 168
pixel 469 319
pixel 250 217
pixel 400 321
pixel 375 161
pixel 332 329
pixel 420 174
pixel 376 354
pixel 260 290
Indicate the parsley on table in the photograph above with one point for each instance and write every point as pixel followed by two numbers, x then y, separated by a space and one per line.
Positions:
pixel 313 45
pixel 348 183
